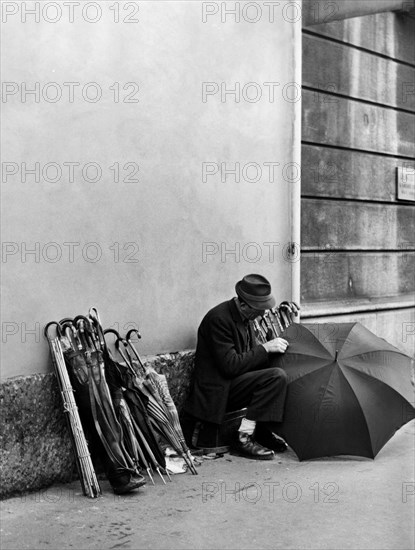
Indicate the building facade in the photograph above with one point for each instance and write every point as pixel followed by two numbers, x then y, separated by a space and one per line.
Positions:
pixel 358 134
pixel 153 155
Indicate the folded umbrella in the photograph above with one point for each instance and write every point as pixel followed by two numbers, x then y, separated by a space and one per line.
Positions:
pixel 161 405
pixel 132 436
pixel 274 321
pixel 159 383
pixel 136 400
pixel 348 390
pixel 86 371
pixel 86 471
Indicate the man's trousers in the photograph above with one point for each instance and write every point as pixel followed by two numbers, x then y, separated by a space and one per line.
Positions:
pixel 262 392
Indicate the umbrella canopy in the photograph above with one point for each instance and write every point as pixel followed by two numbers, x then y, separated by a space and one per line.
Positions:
pixel 348 390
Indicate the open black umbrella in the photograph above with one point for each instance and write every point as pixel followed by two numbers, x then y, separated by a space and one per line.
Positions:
pixel 348 390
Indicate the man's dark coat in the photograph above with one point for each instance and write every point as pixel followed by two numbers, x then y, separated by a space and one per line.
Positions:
pixel 220 357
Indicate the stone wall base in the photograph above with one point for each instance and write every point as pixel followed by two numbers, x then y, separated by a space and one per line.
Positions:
pixel 35 445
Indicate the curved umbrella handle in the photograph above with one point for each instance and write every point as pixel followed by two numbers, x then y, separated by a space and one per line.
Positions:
pixel 127 357
pixel 66 320
pixel 47 327
pixel 117 343
pixel 104 343
pixel 112 331
pixel 289 306
pixel 86 331
pixel 97 326
pixel 82 318
pixel 131 331
pixel 93 313
pixel 68 324
pixel 128 339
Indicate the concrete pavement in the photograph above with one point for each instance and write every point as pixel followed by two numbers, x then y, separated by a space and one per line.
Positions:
pixel 336 503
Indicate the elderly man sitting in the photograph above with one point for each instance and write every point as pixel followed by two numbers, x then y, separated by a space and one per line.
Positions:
pixel 233 371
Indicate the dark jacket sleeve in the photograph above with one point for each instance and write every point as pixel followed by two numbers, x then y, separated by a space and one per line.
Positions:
pixel 229 360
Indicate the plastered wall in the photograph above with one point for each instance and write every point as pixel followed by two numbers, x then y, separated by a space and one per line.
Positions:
pixel 118 190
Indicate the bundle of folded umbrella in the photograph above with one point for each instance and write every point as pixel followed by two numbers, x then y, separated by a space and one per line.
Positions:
pixel 274 321
pixel 119 412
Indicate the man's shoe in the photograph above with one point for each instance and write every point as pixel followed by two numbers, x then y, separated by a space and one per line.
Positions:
pixel 123 486
pixel 270 440
pixel 248 447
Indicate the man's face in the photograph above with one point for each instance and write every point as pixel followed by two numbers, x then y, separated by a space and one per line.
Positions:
pixel 251 313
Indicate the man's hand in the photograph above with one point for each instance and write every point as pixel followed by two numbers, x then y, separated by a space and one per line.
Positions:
pixel 278 345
